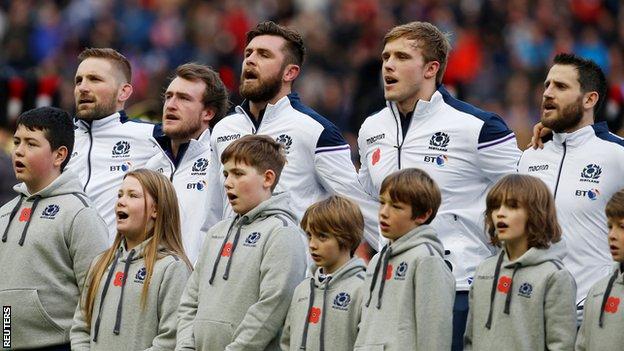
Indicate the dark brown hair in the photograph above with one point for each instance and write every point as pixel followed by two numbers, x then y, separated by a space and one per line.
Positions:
pixel 531 194
pixel 293 48
pixel 215 95
pixel 615 206
pixel 415 187
pixel 118 60
pixel 434 44
pixel 258 151
pixel 336 216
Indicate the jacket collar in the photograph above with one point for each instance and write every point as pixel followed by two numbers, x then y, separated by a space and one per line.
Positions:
pixel 423 108
pixel 115 118
pixel 192 148
pixel 271 112
pixel 577 138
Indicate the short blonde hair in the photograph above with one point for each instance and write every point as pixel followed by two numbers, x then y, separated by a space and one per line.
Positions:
pixel 615 206
pixel 336 216
pixel 415 187
pixel 434 44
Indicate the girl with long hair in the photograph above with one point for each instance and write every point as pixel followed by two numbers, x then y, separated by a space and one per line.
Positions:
pixel 133 288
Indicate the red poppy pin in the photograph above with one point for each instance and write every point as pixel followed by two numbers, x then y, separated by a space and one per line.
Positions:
pixel 503 284
pixel 227 249
pixel 315 314
pixel 376 156
pixel 612 304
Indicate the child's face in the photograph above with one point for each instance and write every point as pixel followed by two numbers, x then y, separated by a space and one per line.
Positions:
pixel 616 238
pixel 34 161
pixel 131 210
pixel 510 222
pixel 395 218
pixel 326 252
pixel 244 186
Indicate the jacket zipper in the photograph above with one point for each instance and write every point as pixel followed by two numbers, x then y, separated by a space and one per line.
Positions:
pixel 560 168
pixel 88 159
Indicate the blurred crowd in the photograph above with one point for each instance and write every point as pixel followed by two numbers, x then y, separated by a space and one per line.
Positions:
pixel 501 49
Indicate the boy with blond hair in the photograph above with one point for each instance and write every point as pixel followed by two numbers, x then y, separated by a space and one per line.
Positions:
pixel 237 298
pixel 325 307
pixel 409 302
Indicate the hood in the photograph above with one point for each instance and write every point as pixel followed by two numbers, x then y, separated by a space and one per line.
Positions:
pixel 354 266
pixel 278 204
pixel 139 250
pixel 421 235
pixel 536 256
pixel 607 302
pixel 66 183
pixel 424 234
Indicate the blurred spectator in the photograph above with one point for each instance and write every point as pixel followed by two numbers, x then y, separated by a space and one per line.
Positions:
pixel 501 48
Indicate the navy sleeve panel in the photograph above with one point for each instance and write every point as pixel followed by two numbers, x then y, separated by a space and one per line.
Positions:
pixel 330 136
pixel 602 131
pixel 494 127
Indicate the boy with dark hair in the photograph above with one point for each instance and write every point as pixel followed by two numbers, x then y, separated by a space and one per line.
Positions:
pixel 409 304
pixel 237 298
pixel 325 308
pixel 603 320
pixel 50 233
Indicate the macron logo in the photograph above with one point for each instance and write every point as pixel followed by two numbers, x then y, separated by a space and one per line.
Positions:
pixel 538 168
pixel 230 137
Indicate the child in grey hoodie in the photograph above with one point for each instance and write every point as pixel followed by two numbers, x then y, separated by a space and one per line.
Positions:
pixel 134 288
pixel 50 233
pixel 603 316
pixel 523 298
pixel 408 304
pixel 237 298
pixel 325 309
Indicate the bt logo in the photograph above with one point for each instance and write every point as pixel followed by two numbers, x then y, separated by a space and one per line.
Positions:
pixel 201 185
pixel 439 160
pixel 592 194
pixel 124 167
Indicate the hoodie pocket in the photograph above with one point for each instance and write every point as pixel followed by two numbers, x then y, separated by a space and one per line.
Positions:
pixel 212 335
pixel 29 316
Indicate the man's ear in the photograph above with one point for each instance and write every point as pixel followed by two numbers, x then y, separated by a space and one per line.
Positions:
pixel 124 92
pixel 423 217
pixel 431 69
pixel 269 178
pixel 60 155
pixel 291 72
pixel 590 100
pixel 207 115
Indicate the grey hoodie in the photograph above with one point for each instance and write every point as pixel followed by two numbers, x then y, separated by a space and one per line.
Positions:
pixel 325 311
pixel 48 241
pixel 118 321
pixel 238 296
pixel 526 304
pixel 409 295
pixel 603 317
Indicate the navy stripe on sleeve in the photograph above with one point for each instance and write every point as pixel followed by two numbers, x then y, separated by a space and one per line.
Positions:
pixel 330 136
pixel 602 131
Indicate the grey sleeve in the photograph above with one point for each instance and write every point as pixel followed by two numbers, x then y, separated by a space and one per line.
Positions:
pixel 187 310
pixel 560 311
pixel 285 339
pixel 169 293
pixel 88 237
pixel 581 340
pixel 434 293
pixel 282 269
pixel 469 322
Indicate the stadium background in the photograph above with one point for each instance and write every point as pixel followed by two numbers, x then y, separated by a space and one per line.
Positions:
pixel 501 51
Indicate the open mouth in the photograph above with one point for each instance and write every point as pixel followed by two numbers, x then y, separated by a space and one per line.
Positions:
pixel 231 196
pixel 171 117
pixel 315 257
pixel 85 100
pixel 390 80
pixel 501 225
pixel 549 106
pixel 122 215
pixel 19 164
pixel 250 75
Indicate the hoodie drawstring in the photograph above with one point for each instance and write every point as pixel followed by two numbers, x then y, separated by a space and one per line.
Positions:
pixel 509 292
pixel 32 210
pixel 123 286
pixel 383 277
pixel 218 259
pixel 375 272
pixel 304 337
pixel 13 213
pixel 104 290
pixel 226 274
pixel 488 325
pixel 323 313
pixel 605 297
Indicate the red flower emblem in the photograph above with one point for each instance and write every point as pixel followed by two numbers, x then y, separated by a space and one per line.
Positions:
pixel 376 156
pixel 315 314
pixel 25 214
pixel 119 279
pixel 612 304
pixel 389 272
pixel 227 250
pixel 503 284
